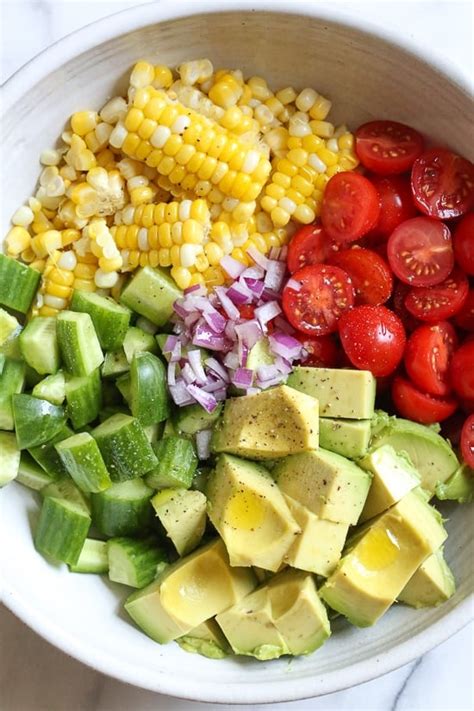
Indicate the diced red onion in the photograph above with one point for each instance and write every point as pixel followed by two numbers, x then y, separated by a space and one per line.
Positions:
pixel 213 385
pixel 196 289
pixel 231 360
pixel 277 380
pixel 267 372
pixel 229 307
pixel 284 345
pixel 242 378
pixel 203 444
pixel 206 400
pixel 283 253
pixel 233 268
pixel 274 253
pixel 249 332
pixel 267 312
pixel 293 284
pixel 283 365
pixel 214 366
pixel 220 394
pixel 230 331
pixel 243 353
pixel 188 374
pixel 256 286
pixel 205 337
pixel 274 276
pixel 239 293
pixel 253 391
pixel 254 272
pixel 191 319
pixel 195 361
pixel 171 373
pixel 180 394
pixel 215 320
pixel 180 309
pixel 259 258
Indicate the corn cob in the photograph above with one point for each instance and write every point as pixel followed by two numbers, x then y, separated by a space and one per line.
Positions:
pixel 101 194
pixel 56 284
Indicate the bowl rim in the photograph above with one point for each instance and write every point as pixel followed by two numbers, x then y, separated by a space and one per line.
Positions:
pixel 36 69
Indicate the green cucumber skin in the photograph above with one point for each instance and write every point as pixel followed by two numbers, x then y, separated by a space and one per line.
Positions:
pixel 78 342
pixel 138 341
pixel 149 401
pixel 116 513
pixel 52 388
pixel 115 364
pixel 125 448
pixel 92 559
pixel 39 345
pixel 83 398
pixel 134 562
pixel 124 387
pixel 111 320
pixel 193 418
pixel 36 421
pixel 62 530
pixel 31 475
pixel 2 362
pixel 151 293
pixel 18 284
pixel 12 382
pixel 177 463
pixel 82 458
pixel 66 489
pixel 9 458
pixel 48 458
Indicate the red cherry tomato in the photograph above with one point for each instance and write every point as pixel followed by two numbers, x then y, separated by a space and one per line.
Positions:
pixel 463 241
pixel 465 318
pixel 396 202
pixel 370 274
pixel 419 406
pixel 420 252
pixel 247 311
pixel 387 147
pixel 467 441
pixel 442 184
pixel 309 245
pixel 373 338
pixel 325 293
pixel 322 352
pixel 350 207
pixel 398 305
pixel 462 371
pixel 440 302
pixel 427 356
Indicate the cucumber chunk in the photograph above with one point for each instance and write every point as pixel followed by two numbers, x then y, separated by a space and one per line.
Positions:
pixel 65 488
pixel 18 284
pixel 80 347
pixel 36 421
pixel 9 458
pixel 47 457
pixel 92 559
pixel 2 362
pixel 110 319
pixel 125 448
pixel 123 509
pixel 83 398
pixel 39 345
pixel 151 293
pixel 12 381
pixel 82 458
pixel 52 388
pixel 146 325
pixel 138 341
pixel 62 529
pixel 177 463
pixel 123 386
pixel 115 364
pixel 30 474
pixel 194 418
pixel 133 562
pixel 149 401
pixel 9 326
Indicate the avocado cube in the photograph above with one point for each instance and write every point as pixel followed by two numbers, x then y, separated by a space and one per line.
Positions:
pixel 349 438
pixel 206 639
pixel 182 514
pixel 341 392
pixel 459 487
pixel 432 584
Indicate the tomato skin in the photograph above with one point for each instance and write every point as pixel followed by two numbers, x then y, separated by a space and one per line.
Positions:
pixel 462 371
pixel 442 184
pixel 396 202
pixel 325 293
pixel 465 318
pixel 420 251
pixel 419 406
pixel 373 338
pixel 370 274
pixel 440 302
pixel 467 441
pixel 247 311
pixel 398 305
pixel 427 355
pixel 309 245
pixel 322 352
pixel 377 141
pixel 463 241
pixel 350 208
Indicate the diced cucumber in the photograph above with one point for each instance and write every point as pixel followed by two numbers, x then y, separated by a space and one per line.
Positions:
pixel 107 412
pixel 52 388
pixel 83 398
pixel 39 345
pixel 30 474
pixel 110 395
pixel 62 529
pixel 65 488
pixel 151 293
pixel 9 458
pixel 123 509
pixel 194 418
pixel 47 457
pixel 149 400
pixel 170 428
pixel 154 432
pixel 110 319
pixel 18 284
pixel 9 326
pixel 138 341
pixel 81 456
pixel 133 562
pixel 124 387
pixel 32 378
pixel 12 381
pixel 11 347
pixel 177 463
pixel 146 325
pixel 115 364
pixel 2 362
pixel 200 479
pixel 80 347
pixel 92 558
pixel 161 339
pixel 36 421
pixel 125 448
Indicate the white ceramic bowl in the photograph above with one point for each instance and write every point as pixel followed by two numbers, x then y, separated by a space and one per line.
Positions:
pixel 367 77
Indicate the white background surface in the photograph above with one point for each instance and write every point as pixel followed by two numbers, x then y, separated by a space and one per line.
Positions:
pixel 35 676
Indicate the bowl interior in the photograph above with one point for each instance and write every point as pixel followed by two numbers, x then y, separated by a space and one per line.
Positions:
pixel 366 77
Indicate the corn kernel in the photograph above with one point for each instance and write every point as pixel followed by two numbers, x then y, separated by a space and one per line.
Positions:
pixel 181 276
pixel 214 253
pixel 17 240
pixel 82 122
pixel 163 77
pixel 164 257
pixel 304 214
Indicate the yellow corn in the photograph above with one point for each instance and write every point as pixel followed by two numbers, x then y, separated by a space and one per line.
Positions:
pixel 101 194
pixel 103 245
pixel 56 285
pixel 17 240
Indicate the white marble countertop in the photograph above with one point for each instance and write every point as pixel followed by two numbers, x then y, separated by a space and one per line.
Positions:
pixel 35 676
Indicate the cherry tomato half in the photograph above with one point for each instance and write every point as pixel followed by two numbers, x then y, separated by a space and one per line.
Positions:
pixel 442 184
pixel 325 293
pixel 373 338
pixel 427 356
pixel 387 147
pixel 309 245
pixel 350 208
pixel 462 371
pixel 396 202
pixel 370 274
pixel 467 441
pixel 420 251
pixel 419 406
pixel 322 352
pixel 463 241
pixel 465 317
pixel 247 311
pixel 440 302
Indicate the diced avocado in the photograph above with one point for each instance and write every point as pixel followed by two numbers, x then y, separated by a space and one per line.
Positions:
pixel 194 418
pixel 393 477
pixel 430 454
pixel 332 487
pixel 259 355
pixel 349 438
pixel 9 326
pixel 206 639
pixel 151 293
pixel 138 341
pixel 268 425
pixel 182 514
pixel 250 513
pixel 189 592
pixel 9 458
pixel 341 392
pixel 382 557
pixel 459 486
pixel 318 547
pixel 432 584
